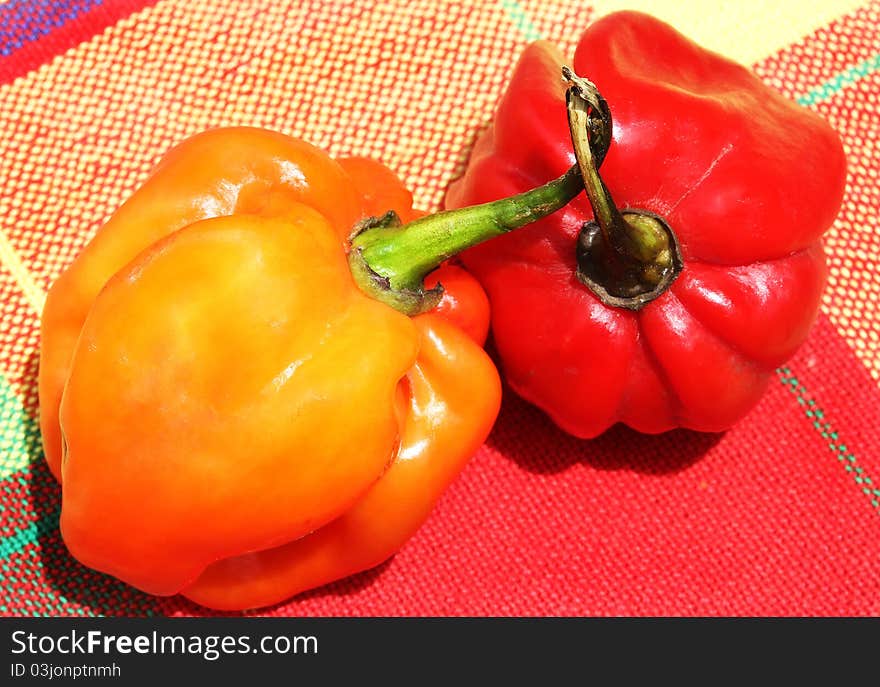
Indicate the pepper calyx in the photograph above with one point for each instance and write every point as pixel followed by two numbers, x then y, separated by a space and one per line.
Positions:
pixel 632 284
pixel 410 299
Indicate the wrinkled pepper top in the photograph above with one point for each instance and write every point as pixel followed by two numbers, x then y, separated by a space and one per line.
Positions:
pixel 747 180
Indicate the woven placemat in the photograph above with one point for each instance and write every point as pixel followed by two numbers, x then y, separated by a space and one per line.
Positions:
pixel 779 516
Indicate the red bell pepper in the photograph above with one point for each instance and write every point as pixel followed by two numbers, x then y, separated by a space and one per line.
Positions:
pixel 675 310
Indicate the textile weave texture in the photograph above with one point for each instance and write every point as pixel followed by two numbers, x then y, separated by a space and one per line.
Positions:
pixel 778 516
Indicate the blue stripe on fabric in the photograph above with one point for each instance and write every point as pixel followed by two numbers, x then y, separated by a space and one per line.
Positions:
pixel 24 21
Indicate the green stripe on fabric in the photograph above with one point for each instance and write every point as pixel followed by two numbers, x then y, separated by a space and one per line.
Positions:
pixel 21 463
pixel 29 534
pixel 51 602
pixel 839 82
pixel 19 433
pixel 843 454
pixel 25 556
pixel 521 20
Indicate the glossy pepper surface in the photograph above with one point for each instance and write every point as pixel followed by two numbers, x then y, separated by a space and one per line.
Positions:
pixel 230 416
pixel 746 182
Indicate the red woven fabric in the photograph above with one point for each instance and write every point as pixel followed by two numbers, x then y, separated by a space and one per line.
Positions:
pixel 779 516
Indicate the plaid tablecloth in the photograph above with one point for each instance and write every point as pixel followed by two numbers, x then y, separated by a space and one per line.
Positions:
pixel 779 516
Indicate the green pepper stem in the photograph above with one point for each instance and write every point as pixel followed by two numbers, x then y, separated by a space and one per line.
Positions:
pixel 390 261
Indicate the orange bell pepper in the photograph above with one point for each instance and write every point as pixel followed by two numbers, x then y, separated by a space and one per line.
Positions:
pixel 433 448
pixel 243 398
